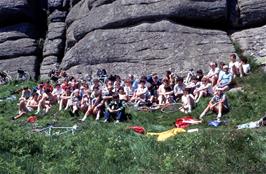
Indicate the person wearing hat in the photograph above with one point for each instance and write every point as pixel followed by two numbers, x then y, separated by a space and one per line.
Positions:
pixel 225 80
pixel 115 109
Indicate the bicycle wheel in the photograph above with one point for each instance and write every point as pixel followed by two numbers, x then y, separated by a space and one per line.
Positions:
pixel 170 108
pixel 143 109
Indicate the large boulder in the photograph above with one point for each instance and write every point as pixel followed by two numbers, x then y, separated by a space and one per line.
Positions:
pixel 147 48
pixel 251 41
pixel 122 13
pixel 27 63
pixel 12 11
pixel 18 48
pixel 56 30
pixel 252 12
pixel 18 31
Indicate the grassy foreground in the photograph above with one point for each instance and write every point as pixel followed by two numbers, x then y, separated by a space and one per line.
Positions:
pixel 111 148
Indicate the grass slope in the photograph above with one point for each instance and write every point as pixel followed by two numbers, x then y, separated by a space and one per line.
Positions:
pixel 111 148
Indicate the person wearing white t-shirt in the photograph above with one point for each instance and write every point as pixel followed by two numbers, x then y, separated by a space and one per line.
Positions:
pixel 187 102
pixel 213 73
pixel 205 89
pixel 245 67
pixel 234 65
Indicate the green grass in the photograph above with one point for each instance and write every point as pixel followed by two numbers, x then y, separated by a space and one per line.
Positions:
pixel 112 148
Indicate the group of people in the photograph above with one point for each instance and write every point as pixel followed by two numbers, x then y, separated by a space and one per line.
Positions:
pixel 107 98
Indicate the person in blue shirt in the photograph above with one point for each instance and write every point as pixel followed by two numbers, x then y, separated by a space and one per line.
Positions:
pixel 224 80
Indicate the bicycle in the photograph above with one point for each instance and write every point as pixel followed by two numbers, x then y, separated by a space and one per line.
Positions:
pixel 170 107
pixel 56 131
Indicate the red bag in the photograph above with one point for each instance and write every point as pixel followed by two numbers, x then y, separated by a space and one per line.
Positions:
pixel 180 122
pixel 32 119
pixel 137 129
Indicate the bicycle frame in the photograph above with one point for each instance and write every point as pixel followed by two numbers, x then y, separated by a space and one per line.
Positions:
pixel 49 130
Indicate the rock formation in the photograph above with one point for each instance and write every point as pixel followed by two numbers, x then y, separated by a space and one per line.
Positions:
pixel 125 35
pixel 148 47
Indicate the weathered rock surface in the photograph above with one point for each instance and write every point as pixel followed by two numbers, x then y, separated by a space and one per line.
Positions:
pixel 54 44
pixel 57 16
pixel 56 30
pixel 48 64
pixel 252 41
pixel 11 9
pixel 252 12
pixel 148 47
pixel 53 47
pixel 19 31
pixel 121 13
pixel 28 63
pixel 17 48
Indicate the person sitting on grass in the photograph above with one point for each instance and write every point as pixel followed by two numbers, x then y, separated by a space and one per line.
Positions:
pixel 234 65
pixel 218 104
pixel 142 93
pixel 165 92
pixel 64 98
pixel 129 90
pixel 205 89
pixel 188 102
pixel 26 106
pixel 213 73
pixel 26 93
pixel 193 84
pixel 46 101
pixel 179 88
pixel 116 109
pixel 57 91
pixel 244 67
pixel 225 80
pixel 74 102
pixel 96 107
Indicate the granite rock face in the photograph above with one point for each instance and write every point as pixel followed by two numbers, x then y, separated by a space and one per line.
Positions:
pixel 252 12
pixel 135 36
pixel 122 13
pixel 252 41
pixel 147 47
pixel 18 48
pixel 11 9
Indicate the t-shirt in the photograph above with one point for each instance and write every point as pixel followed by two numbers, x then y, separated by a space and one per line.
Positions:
pixel 231 64
pixel 217 99
pixel 246 68
pixel 213 72
pixel 129 91
pixel 144 91
pixel 57 91
pixel 179 89
pixel 225 79
pixel 185 99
